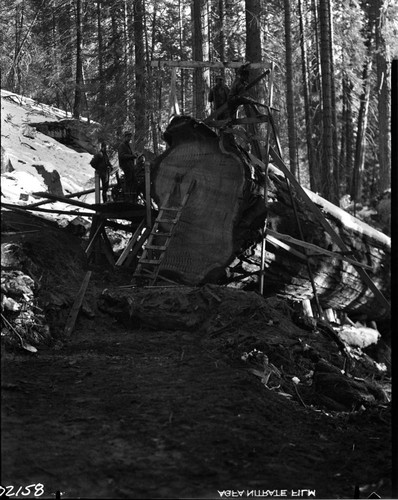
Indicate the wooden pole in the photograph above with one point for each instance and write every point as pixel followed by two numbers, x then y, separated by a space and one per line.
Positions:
pixel 174 107
pixel 266 162
pixel 97 189
pixel 70 323
pixel 148 194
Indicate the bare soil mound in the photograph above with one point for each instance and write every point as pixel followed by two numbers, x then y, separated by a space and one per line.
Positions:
pixel 183 392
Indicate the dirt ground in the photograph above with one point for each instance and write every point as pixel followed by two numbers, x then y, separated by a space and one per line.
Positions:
pixel 128 410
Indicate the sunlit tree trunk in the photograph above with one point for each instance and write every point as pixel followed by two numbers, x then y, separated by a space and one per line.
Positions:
pixel 347 132
pixel 198 8
pixel 329 188
pixel 101 76
pixel 382 102
pixel 79 62
pixel 290 90
pixel 360 145
pixel 336 171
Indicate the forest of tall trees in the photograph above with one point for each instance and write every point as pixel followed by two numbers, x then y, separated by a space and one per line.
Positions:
pixel 332 58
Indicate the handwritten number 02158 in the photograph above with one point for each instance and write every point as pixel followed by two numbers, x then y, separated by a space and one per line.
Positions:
pixel 8 491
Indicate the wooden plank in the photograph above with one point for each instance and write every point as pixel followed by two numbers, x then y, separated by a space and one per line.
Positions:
pixel 315 249
pixel 107 247
pixel 70 323
pixel 148 195
pixel 130 244
pixel 45 210
pixel 206 64
pixel 73 195
pixel 97 188
pixel 95 236
pixel 327 227
pixel 174 108
pixel 65 200
pixel 138 246
pixel 288 248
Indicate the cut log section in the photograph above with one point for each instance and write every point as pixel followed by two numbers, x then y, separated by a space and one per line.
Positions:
pixel 218 238
pixel 227 201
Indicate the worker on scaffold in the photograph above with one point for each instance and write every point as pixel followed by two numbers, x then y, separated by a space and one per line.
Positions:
pixel 218 96
pixel 127 159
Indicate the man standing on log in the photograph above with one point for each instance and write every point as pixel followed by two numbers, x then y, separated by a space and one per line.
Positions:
pixel 218 95
pixel 127 164
pixel 100 162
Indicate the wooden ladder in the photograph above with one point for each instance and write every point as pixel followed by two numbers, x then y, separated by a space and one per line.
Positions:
pixel 154 253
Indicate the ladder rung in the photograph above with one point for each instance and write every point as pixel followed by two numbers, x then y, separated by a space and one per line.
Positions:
pixel 150 261
pixel 161 234
pixel 169 221
pixel 156 247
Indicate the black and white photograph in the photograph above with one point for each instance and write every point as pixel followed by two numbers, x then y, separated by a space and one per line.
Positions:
pixel 196 260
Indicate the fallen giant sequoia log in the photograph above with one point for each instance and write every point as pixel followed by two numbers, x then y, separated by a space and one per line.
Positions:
pixel 218 238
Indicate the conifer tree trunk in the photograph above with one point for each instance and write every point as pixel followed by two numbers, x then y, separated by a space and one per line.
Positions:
pixel 140 94
pixel 382 103
pixel 198 8
pixel 102 86
pixel 290 91
pixel 79 63
pixel 360 144
pixel 329 188
pixel 220 27
pixel 305 85
pixel 253 40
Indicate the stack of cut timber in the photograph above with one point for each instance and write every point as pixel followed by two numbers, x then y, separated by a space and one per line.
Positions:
pixel 218 237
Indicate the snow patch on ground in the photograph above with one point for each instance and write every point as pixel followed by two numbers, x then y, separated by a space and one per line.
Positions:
pixel 25 147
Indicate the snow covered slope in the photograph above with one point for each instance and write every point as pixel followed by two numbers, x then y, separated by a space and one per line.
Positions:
pixel 31 160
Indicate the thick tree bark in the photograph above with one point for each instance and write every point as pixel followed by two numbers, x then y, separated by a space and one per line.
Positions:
pixel 290 90
pixel 141 126
pixel 101 76
pixel 305 84
pixel 199 84
pixel 79 63
pixel 382 103
pixel 360 145
pixel 329 188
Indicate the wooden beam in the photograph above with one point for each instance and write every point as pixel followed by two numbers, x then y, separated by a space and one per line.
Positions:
pixel 65 200
pixel 206 64
pixel 277 242
pixel 148 195
pixel 94 238
pixel 70 323
pixel 140 242
pixel 72 195
pixel 314 249
pixel 47 210
pixel 130 244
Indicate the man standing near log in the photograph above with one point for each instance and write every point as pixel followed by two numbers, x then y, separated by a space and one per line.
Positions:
pixel 236 94
pixel 218 95
pixel 100 162
pixel 127 164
